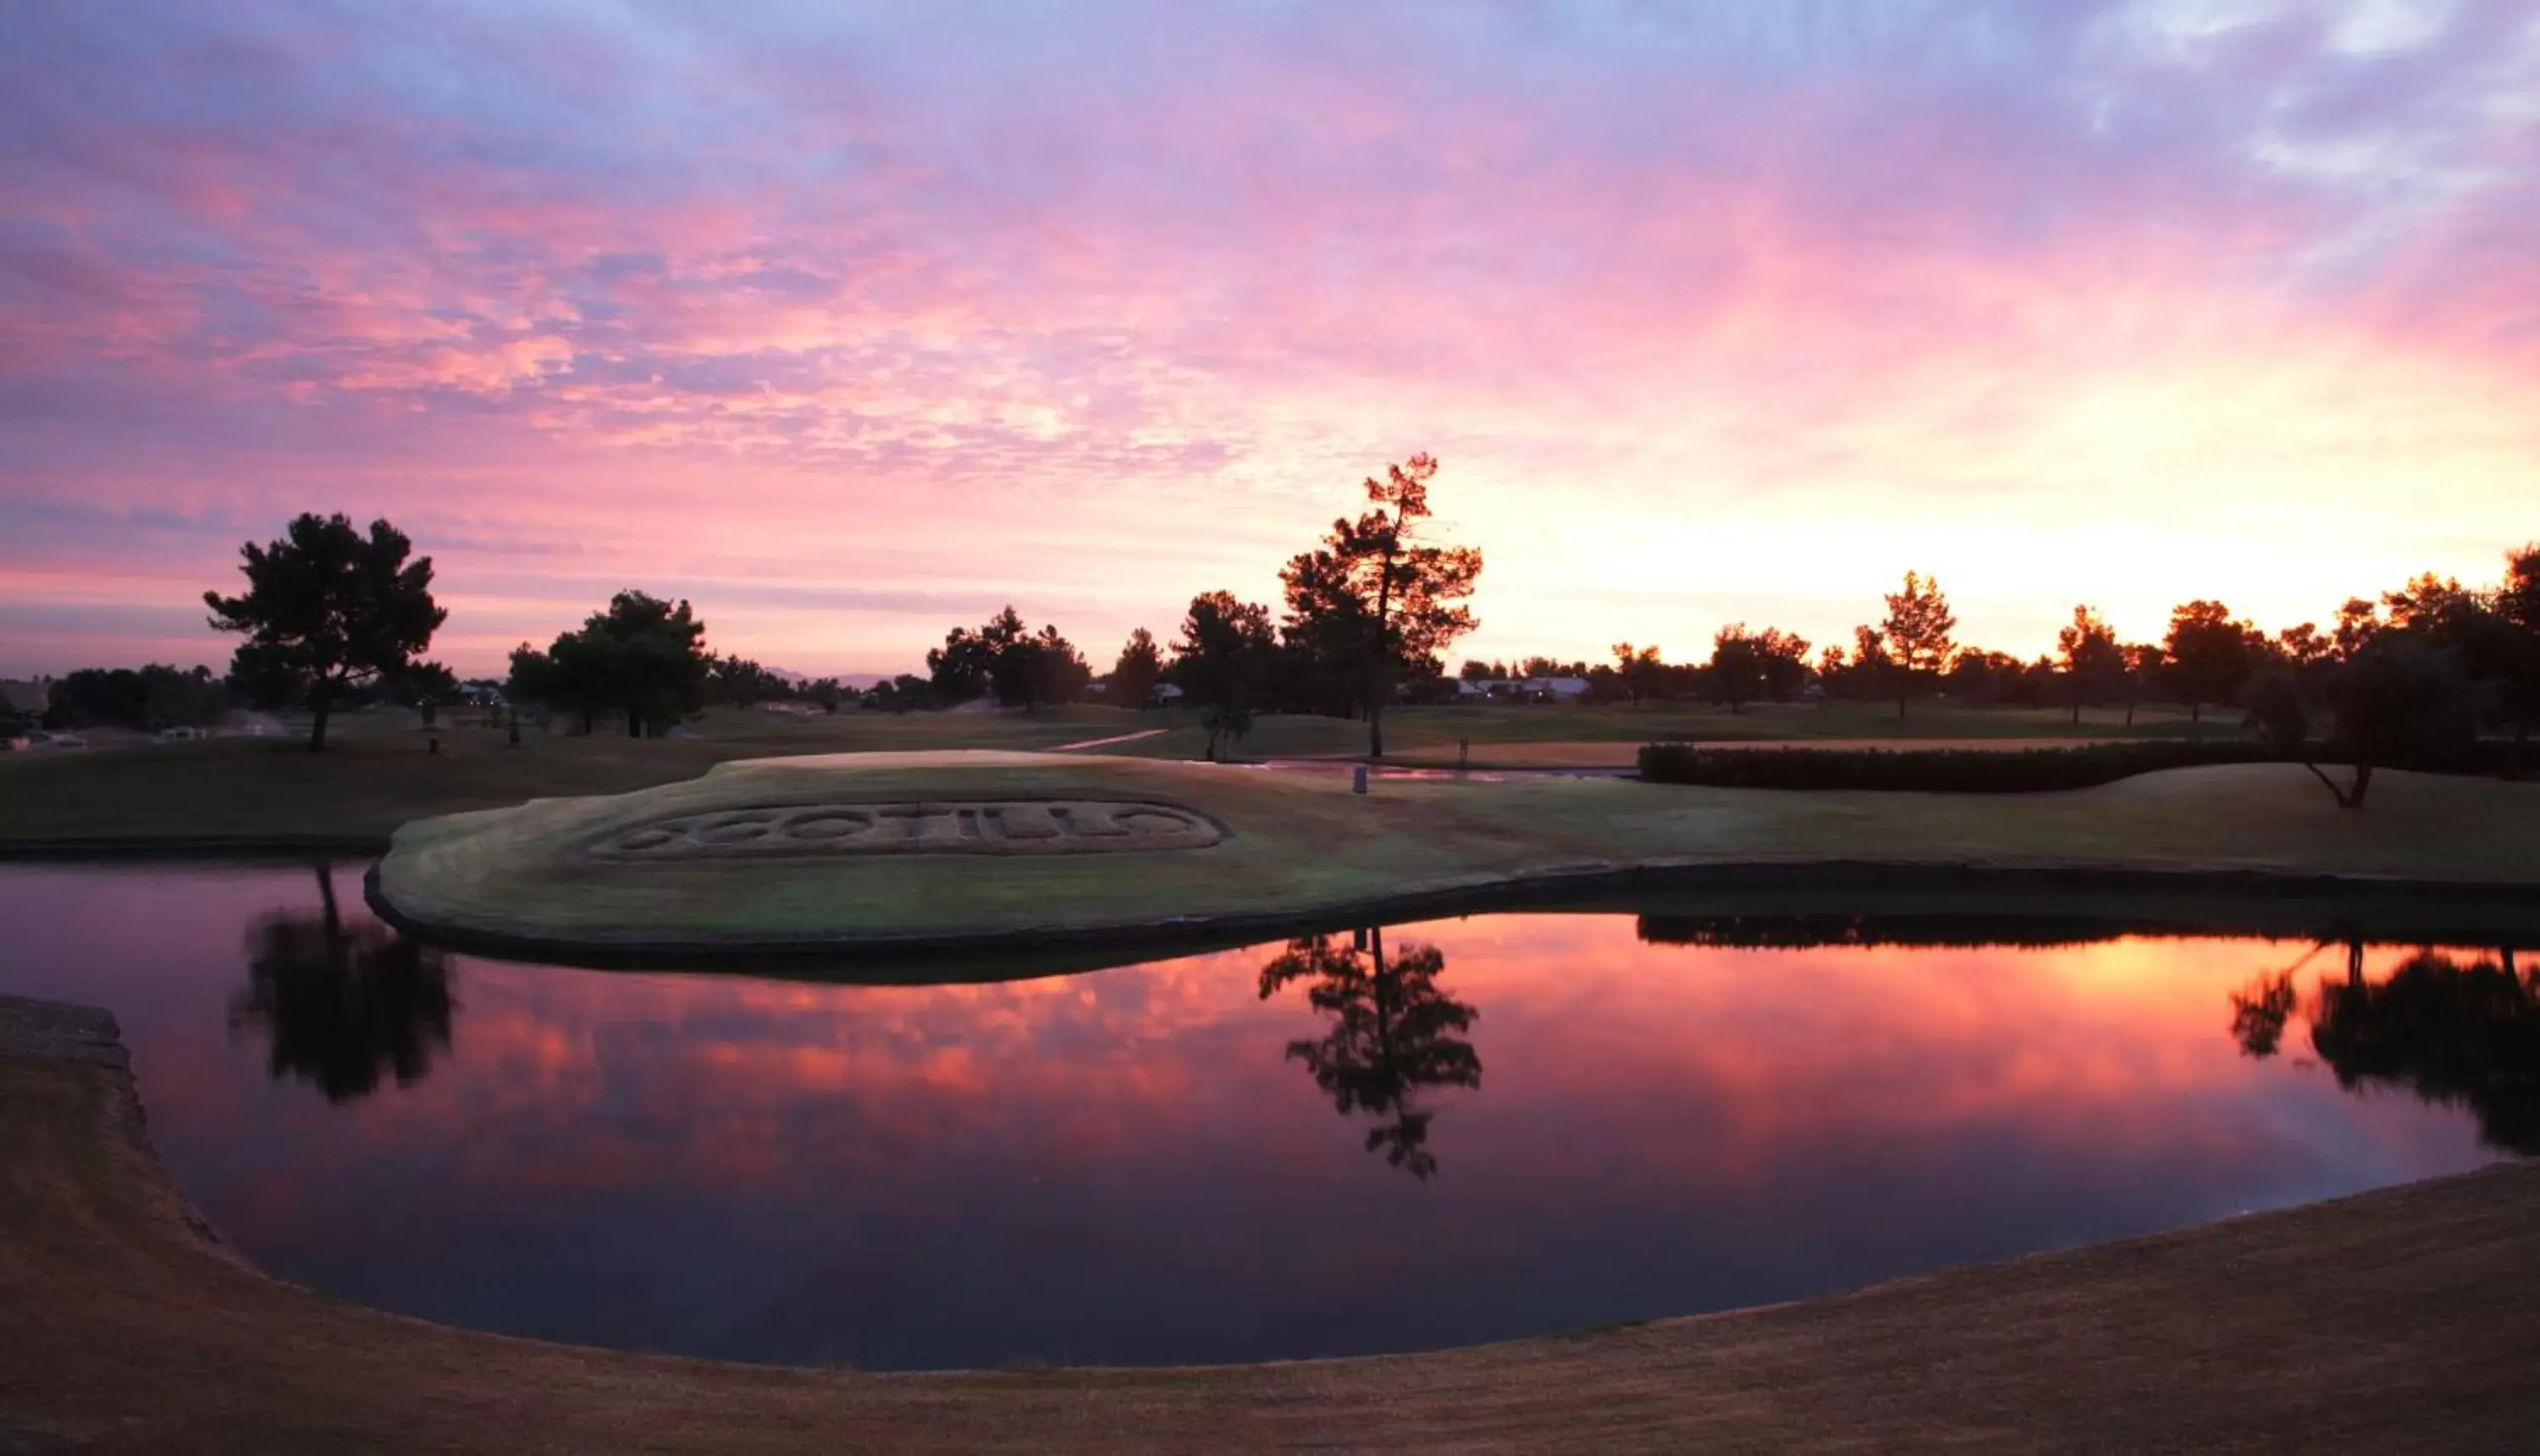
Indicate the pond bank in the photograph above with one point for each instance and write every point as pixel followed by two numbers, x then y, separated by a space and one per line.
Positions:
pixel 2396 1320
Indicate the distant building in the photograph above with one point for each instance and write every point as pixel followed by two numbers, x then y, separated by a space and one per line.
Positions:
pixel 26 697
pixel 1165 695
pixel 1517 689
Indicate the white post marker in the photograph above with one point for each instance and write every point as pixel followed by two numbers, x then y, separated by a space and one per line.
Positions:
pixel 1358 779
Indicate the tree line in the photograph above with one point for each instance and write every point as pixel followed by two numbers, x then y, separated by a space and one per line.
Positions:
pixel 1369 609
pixel 333 614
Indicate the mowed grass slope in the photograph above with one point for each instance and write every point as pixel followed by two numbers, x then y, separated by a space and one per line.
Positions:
pixel 1304 843
pixel 1571 736
pixel 376 774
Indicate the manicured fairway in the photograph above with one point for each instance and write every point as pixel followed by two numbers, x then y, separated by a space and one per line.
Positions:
pixel 377 774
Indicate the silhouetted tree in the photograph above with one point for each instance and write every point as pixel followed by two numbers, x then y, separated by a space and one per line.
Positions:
pixel 1222 662
pixel 1915 635
pixel 2430 603
pixel 2491 634
pixel 2302 648
pixel 1834 670
pixel 643 656
pixel 1736 673
pixel 1014 659
pixel 1751 666
pixel 741 682
pixel 962 670
pixel 2278 712
pixel 152 697
pixel 1059 673
pixel 1022 667
pixel 1978 674
pixel 2400 700
pixel 1324 638
pixel 429 686
pixel 342 1005
pixel 2356 623
pixel 1871 672
pixel 1139 668
pixel 2087 653
pixel 1784 656
pixel 2144 664
pixel 1395 1033
pixel 2207 656
pixel 2517 607
pixel 533 679
pixel 905 693
pixel 327 609
pixel 1376 593
pixel 1640 673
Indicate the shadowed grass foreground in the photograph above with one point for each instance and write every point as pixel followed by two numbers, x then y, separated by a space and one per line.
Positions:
pixel 1303 845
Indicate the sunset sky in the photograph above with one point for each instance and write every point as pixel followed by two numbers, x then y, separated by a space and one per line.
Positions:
pixel 850 321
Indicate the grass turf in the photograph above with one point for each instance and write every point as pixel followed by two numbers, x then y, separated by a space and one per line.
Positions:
pixel 1303 844
pixel 1549 735
pixel 376 774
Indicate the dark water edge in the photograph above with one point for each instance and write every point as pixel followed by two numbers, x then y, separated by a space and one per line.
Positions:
pixel 1375 1139
pixel 1828 893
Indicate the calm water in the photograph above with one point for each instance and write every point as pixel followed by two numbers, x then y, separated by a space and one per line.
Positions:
pixel 1523 1124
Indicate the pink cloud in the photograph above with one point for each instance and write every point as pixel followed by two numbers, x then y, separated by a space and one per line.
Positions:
pixel 780 303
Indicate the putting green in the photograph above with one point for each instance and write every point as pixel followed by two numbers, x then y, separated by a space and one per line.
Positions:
pixel 944 851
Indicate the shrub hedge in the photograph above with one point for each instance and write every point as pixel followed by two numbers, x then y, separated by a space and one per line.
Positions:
pixel 1972 770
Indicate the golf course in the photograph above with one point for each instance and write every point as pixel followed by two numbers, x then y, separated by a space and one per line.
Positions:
pixel 767 871
pixel 232 790
pixel 954 951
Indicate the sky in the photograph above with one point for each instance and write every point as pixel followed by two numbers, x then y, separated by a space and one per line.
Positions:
pixel 852 321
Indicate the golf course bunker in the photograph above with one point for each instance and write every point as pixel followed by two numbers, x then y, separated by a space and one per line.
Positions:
pixel 1080 826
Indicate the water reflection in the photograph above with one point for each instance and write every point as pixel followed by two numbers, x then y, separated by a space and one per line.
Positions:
pixel 2455 1034
pixel 1395 1033
pixel 1810 929
pixel 341 1006
pixel 1090 1168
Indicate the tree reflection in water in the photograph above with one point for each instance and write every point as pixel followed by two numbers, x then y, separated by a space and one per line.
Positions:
pixel 342 1004
pixel 1395 1034
pixel 2454 1034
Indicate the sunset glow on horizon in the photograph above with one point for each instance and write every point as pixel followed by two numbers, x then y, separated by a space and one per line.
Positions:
pixel 852 323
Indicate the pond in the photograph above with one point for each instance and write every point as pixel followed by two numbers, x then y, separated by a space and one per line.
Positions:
pixel 1420 1136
